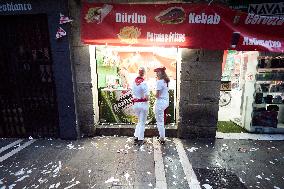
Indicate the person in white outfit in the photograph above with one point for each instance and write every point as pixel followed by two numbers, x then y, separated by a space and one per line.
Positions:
pixel 162 101
pixel 140 99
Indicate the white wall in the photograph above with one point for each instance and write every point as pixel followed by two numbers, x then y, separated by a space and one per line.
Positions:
pixel 94 77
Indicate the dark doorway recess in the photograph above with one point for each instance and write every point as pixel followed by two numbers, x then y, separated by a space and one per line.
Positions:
pixel 27 91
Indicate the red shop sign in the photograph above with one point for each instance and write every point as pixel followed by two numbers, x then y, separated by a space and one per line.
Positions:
pixel 180 25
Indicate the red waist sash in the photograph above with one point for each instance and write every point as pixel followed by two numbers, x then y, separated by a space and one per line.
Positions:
pixel 139 100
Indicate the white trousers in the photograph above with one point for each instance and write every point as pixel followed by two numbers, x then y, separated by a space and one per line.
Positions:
pixel 141 110
pixel 159 108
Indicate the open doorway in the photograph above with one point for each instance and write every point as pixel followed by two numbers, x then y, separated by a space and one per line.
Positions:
pixel 233 81
pixel 252 92
pixel 116 68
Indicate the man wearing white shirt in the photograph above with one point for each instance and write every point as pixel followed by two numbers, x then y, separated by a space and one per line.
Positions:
pixel 140 105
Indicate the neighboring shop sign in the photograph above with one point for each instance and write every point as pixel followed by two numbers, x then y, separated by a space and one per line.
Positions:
pixel 225 86
pixel 12 7
pixel 181 25
pixel 267 9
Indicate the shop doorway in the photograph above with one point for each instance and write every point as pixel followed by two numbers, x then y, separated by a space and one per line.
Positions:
pixel 252 92
pixel 27 91
pixel 233 79
pixel 116 68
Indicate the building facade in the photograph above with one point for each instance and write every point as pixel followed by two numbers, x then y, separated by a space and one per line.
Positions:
pixel 37 89
pixel 49 84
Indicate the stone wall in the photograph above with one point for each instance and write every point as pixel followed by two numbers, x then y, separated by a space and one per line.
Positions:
pixel 80 57
pixel 200 79
pixel 61 65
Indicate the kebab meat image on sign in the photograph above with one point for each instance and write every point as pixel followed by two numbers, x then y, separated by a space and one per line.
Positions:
pixel 97 14
pixel 173 15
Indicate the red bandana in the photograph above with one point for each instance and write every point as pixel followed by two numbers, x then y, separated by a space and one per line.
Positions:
pixel 159 69
pixel 139 80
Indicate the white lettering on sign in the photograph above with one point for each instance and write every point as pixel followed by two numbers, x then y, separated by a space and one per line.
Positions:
pixel 10 7
pixel 267 9
pixel 204 18
pixel 261 42
pixel 265 20
pixel 161 37
pixel 130 18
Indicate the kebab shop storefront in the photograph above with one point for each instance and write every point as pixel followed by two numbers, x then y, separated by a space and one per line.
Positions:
pixel 117 68
pixel 123 37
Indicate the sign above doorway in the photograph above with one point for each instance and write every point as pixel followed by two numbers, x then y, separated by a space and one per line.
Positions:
pixel 205 26
pixel 12 7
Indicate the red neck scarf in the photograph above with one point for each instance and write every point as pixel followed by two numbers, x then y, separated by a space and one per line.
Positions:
pixel 139 80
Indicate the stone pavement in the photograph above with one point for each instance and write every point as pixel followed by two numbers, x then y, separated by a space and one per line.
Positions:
pixel 114 162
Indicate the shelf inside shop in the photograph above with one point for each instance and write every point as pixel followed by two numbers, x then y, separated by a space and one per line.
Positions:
pixel 282 92
pixel 260 70
pixel 265 104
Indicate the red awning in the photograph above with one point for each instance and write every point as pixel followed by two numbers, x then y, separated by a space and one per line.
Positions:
pixel 205 26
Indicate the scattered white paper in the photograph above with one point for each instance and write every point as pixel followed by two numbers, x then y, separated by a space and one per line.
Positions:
pixel 258 176
pixel 11 186
pixel 126 176
pixel 21 172
pixel 56 171
pixel 42 180
pixel 218 164
pixel 142 148
pixel 127 147
pixel 192 149
pixel 149 173
pixel 71 180
pixel 77 182
pixel 22 178
pixel 267 178
pixel 276 187
pixel 112 179
pixel 254 149
pixel 70 146
pixel 57 185
pixel 207 186
pixel 129 139
pixel 150 184
pixel 271 162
